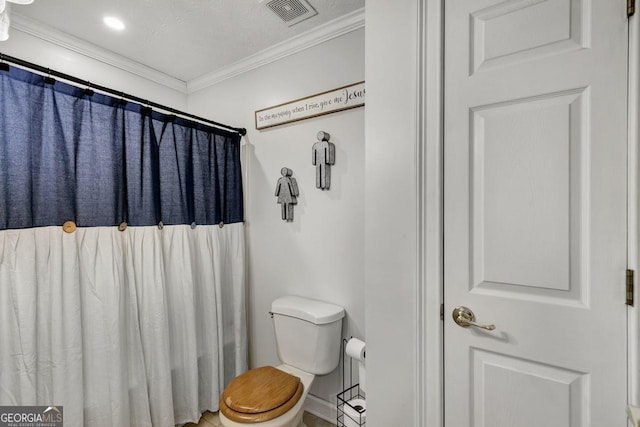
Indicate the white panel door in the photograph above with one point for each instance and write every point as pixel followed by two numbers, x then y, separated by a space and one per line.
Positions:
pixel 535 212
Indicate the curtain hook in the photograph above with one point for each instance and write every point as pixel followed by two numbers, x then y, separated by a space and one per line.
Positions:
pixel 88 91
pixel 123 101
pixel 48 79
pixel 146 106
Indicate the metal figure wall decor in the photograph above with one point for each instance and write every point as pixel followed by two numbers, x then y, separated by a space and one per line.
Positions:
pixel 287 193
pixel 324 155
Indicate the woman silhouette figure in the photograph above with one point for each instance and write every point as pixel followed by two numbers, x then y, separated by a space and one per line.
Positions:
pixel 287 193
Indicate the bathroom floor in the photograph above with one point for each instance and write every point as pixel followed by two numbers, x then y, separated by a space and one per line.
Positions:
pixel 313 421
pixel 211 419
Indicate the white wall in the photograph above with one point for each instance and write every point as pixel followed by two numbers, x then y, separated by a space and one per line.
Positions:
pixel 391 222
pixel 36 50
pixel 321 253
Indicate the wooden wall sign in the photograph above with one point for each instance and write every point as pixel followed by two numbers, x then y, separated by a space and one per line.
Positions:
pixel 340 99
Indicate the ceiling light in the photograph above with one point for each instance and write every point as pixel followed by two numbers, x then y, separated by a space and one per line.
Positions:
pixel 4 16
pixel 4 25
pixel 3 3
pixel 114 23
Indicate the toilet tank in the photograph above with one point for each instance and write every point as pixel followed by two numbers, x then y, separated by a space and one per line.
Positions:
pixel 308 333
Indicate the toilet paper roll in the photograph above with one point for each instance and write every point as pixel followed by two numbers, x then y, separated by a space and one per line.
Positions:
pixel 356 349
pixel 355 413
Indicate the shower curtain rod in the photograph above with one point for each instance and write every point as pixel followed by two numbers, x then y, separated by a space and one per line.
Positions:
pixel 49 72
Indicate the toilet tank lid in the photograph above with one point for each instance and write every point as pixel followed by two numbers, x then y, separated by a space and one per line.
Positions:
pixel 313 311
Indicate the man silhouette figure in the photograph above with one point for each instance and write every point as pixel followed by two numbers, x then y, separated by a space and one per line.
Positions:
pixel 324 155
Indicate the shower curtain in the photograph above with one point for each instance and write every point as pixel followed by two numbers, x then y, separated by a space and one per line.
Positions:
pixel 136 318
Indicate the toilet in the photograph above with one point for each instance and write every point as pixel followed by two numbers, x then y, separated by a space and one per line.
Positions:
pixel 308 336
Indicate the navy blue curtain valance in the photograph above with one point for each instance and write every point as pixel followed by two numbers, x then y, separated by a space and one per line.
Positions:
pixel 67 154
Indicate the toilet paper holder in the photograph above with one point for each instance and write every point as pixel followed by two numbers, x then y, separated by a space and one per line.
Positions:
pixel 351 402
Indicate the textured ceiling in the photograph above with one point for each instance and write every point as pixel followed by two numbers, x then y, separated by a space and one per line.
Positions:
pixel 184 39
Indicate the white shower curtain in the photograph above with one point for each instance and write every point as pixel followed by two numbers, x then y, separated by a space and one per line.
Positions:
pixel 136 328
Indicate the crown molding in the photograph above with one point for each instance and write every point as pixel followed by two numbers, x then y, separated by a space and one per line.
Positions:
pixel 59 38
pixel 330 30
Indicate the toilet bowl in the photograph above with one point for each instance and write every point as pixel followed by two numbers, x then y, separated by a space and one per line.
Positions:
pixel 308 337
pixel 290 418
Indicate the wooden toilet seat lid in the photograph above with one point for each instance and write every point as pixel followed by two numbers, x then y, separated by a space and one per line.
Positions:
pixel 260 390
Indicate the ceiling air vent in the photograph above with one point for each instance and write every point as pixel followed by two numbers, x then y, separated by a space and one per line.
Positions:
pixel 291 11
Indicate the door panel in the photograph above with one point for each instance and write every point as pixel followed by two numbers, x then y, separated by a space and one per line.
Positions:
pixel 527 158
pixel 516 392
pixel 535 212
pixel 512 31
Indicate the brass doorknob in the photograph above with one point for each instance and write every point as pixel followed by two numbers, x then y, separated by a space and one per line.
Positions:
pixel 465 318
